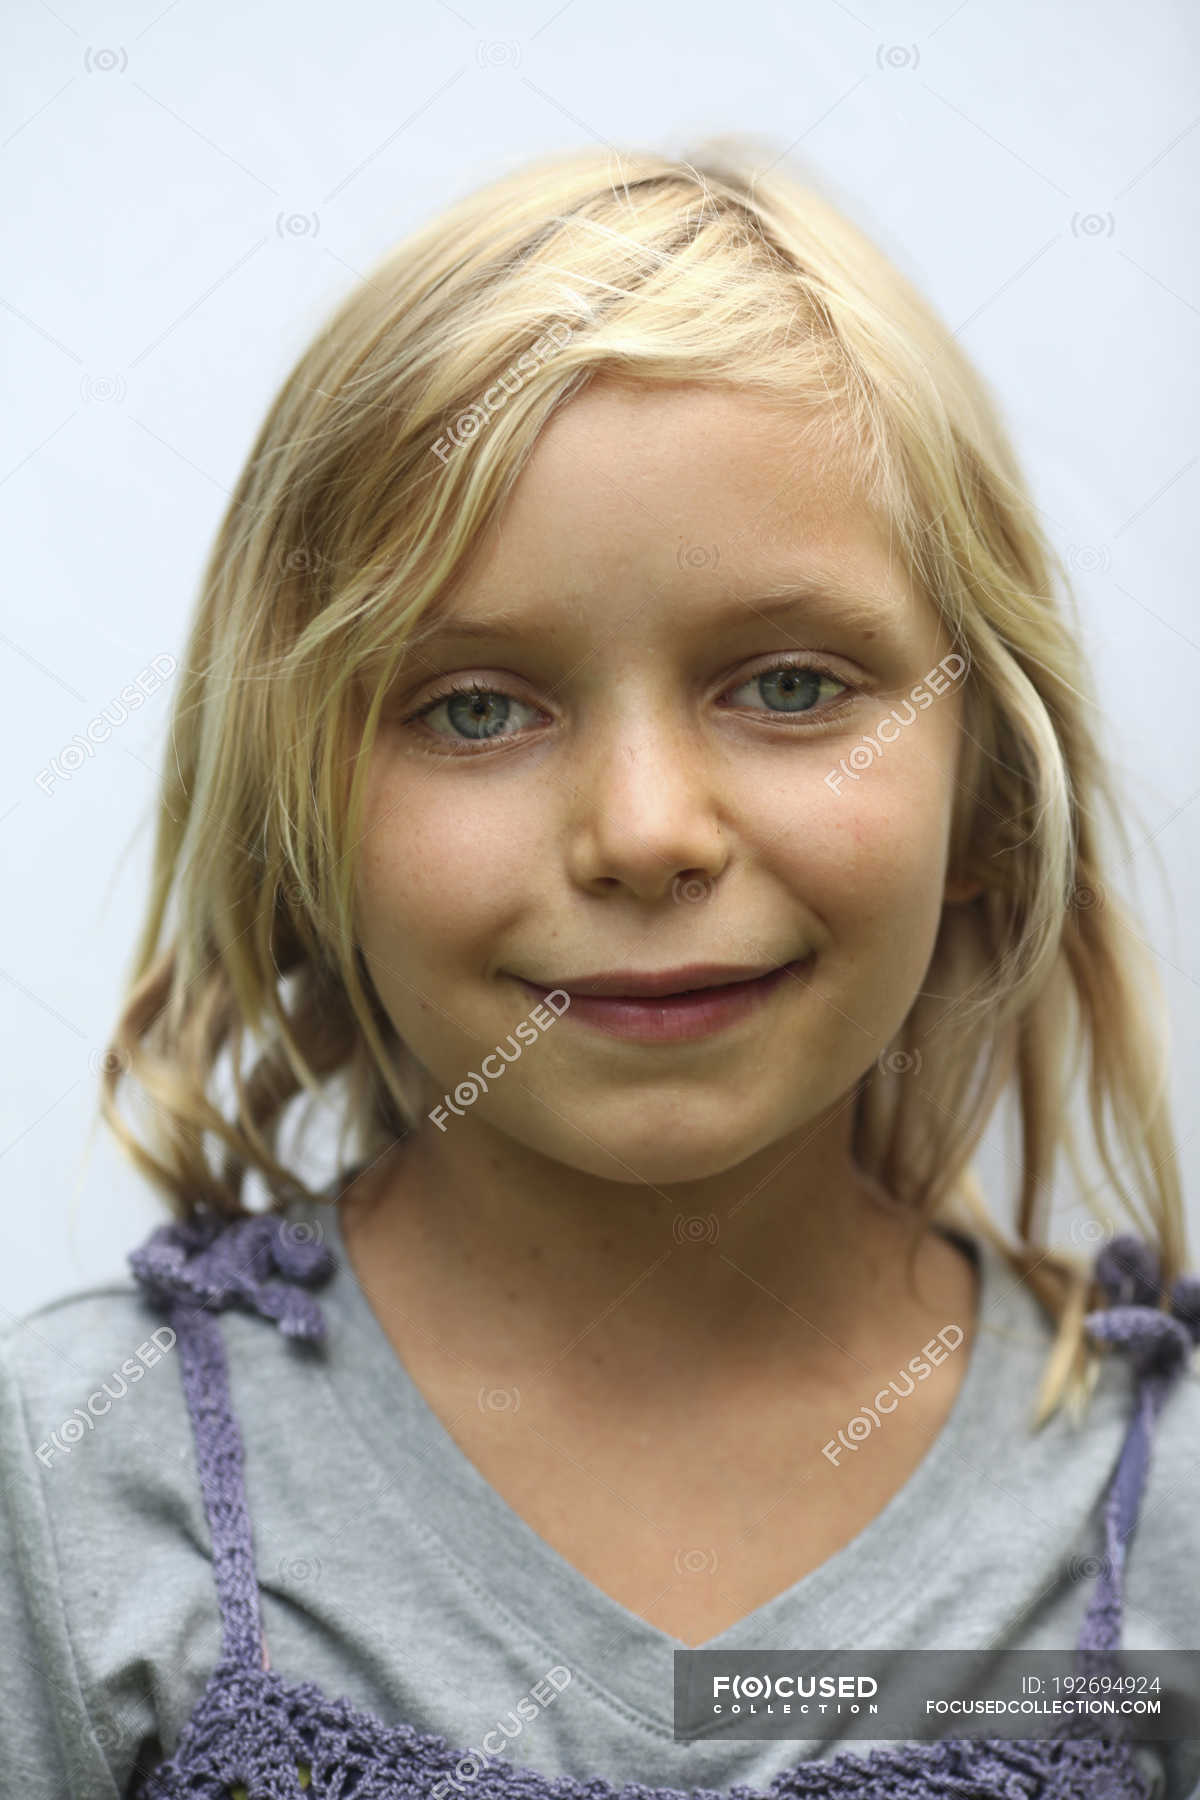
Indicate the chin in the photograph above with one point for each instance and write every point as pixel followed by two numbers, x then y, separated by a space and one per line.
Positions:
pixel 671 1159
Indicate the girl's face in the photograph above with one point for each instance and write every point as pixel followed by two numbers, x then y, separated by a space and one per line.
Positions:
pixel 666 767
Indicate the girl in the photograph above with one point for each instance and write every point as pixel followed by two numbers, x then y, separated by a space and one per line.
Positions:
pixel 632 770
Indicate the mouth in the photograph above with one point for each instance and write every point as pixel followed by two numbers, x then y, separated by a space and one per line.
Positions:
pixel 662 984
pixel 673 1005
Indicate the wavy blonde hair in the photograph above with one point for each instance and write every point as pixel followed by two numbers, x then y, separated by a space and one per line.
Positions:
pixel 390 447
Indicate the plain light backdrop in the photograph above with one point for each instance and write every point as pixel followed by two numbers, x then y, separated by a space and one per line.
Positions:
pixel 190 190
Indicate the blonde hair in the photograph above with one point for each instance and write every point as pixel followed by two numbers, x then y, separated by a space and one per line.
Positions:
pixel 388 450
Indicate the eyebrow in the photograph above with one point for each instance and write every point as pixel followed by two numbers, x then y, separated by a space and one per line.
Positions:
pixel 854 607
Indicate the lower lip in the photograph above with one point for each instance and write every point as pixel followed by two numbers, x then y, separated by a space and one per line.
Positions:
pixel 673 1018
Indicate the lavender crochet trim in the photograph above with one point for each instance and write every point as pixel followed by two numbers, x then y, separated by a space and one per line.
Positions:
pixel 255 1736
pixel 1160 1346
pixel 194 1269
pixel 215 1262
pixel 252 1732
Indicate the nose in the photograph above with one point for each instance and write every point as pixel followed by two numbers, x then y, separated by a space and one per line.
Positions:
pixel 646 810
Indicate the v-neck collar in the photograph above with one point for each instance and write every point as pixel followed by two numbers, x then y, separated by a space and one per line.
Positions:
pixel 845 1602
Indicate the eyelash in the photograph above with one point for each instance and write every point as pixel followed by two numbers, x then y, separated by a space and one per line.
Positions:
pixel 464 746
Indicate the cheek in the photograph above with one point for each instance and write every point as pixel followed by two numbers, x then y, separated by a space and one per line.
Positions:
pixel 867 854
pixel 865 867
pixel 438 869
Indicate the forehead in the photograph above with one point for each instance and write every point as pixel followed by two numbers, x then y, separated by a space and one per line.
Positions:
pixel 676 449
pixel 682 494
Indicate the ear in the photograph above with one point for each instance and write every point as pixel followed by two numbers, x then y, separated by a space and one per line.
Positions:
pixel 957 891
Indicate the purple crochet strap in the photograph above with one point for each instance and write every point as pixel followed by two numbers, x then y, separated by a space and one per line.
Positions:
pixel 193 1269
pixel 1160 1346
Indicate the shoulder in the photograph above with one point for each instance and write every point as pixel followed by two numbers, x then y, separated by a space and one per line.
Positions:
pixel 1162 1571
pixel 100 1494
pixel 1164 1554
pixel 97 1452
pixel 91 1369
pixel 1174 1469
pixel 92 1398
pixel 107 1588
pixel 1077 1456
pixel 94 1423
pixel 1079 1459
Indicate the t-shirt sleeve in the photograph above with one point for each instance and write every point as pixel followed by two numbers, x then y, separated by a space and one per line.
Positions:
pixel 57 1736
pixel 49 1743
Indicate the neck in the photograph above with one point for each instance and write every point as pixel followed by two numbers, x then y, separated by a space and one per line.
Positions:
pixel 793 1254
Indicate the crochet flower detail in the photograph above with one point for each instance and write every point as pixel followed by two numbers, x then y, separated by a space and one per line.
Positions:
pixel 1160 1343
pixel 213 1262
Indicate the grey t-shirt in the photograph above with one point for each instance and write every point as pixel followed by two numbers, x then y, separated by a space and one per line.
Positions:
pixel 392 1573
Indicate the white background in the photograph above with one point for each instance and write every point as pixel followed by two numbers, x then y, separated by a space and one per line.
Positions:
pixel 191 188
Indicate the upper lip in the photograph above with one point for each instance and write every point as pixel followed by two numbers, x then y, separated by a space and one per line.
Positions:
pixel 665 981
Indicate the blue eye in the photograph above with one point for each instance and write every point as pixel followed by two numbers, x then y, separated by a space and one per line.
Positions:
pixel 796 685
pixel 479 712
